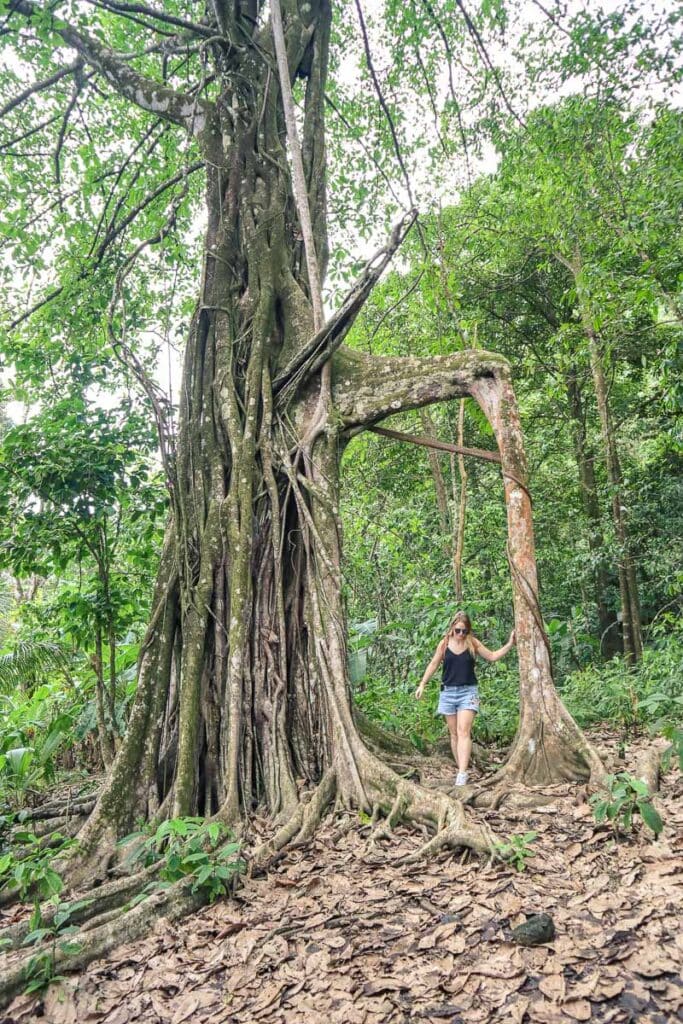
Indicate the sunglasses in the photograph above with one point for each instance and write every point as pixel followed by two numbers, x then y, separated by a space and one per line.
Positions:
pixel 461 632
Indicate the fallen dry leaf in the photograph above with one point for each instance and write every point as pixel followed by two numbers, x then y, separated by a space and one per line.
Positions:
pixel 652 964
pixel 553 986
pixel 577 1009
pixel 608 990
pixel 371 988
pixel 333 937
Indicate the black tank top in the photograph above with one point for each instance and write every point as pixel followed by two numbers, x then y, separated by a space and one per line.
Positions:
pixel 458 669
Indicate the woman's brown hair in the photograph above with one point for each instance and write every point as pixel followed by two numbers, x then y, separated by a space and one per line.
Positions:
pixel 463 617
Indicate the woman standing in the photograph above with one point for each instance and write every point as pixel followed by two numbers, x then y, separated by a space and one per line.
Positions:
pixel 459 700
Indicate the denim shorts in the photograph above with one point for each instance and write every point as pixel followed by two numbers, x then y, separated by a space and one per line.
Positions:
pixel 458 698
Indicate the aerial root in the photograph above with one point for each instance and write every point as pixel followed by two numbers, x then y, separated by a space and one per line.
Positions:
pixel 541 758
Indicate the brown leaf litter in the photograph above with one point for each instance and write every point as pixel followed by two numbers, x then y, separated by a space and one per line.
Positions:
pixel 339 934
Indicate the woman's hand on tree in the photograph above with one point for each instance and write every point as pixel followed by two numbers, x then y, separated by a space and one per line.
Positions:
pixel 513 639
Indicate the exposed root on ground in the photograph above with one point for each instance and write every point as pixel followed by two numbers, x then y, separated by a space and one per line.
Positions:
pixel 434 810
pixel 84 908
pixel 649 764
pixel 299 828
pixel 67 807
pixel 102 934
pixel 389 799
pixel 66 825
pixel 545 758
pixel 113 913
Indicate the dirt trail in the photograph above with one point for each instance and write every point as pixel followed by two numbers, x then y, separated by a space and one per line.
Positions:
pixel 339 934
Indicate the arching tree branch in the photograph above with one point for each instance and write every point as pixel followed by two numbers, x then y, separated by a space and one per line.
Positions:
pixel 369 388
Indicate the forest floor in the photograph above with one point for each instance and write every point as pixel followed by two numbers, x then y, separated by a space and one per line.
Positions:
pixel 337 933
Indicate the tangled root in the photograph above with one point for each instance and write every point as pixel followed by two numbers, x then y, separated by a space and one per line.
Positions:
pixel 404 800
pixel 113 914
pixel 300 826
pixel 390 799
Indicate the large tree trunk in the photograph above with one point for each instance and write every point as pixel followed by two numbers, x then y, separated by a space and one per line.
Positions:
pixel 242 697
pixel 548 746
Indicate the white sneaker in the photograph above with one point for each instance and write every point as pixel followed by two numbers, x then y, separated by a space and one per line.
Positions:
pixel 461 779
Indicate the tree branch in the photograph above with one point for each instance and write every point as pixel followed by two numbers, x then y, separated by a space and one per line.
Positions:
pixel 323 345
pixel 189 112
pixel 150 12
pixel 61 138
pixel 367 388
pixel 382 102
pixel 37 87
pixel 475 35
pixel 115 230
pixel 366 149
pixel 29 133
pixel 112 234
pixel 436 445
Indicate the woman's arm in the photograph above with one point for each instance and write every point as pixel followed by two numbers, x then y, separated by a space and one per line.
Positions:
pixel 488 655
pixel 431 668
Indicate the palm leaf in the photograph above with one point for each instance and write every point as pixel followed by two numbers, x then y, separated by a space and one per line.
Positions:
pixel 26 661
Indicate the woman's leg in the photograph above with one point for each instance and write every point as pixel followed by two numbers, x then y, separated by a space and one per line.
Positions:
pixel 451 721
pixel 463 738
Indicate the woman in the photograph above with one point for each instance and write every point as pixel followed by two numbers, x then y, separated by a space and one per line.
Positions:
pixel 459 700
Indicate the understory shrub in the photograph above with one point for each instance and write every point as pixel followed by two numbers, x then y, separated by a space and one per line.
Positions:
pixel 649 695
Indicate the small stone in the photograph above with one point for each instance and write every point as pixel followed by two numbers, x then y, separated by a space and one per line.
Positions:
pixel 536 930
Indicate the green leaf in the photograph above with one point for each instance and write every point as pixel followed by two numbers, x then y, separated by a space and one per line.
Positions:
pixel 650 816
pixel 71 947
